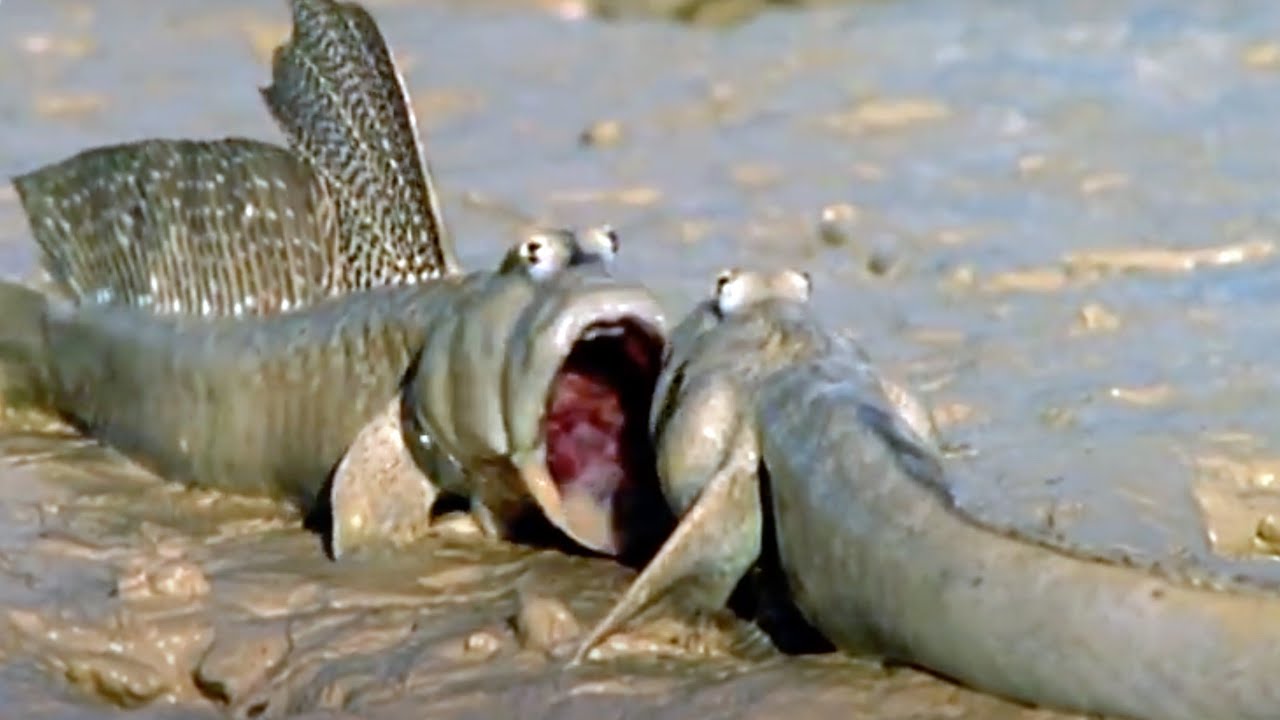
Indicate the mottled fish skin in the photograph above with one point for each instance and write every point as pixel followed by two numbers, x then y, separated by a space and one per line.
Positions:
pixel 189 227
pixel 881 560
pixel 219 228
pixel 339 98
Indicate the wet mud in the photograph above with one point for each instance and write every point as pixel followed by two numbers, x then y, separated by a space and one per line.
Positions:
pixel 1058 224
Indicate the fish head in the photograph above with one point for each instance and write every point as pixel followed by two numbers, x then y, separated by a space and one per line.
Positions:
pixel 751 323
pixel 546 251
pixel 537 386
pixel 744 308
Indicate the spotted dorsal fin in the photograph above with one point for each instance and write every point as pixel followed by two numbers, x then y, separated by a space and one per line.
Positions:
pixel 220 227
pixel 339 98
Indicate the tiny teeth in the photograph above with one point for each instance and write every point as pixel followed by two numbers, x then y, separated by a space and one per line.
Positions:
pixel 604 331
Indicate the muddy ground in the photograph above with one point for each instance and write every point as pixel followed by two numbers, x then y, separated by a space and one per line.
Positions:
pixel 1059 224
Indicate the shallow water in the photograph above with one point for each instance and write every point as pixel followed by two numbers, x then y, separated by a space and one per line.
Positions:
pixel 1057 223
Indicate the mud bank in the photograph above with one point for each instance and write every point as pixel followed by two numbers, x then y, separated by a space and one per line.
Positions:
pixel 1061 228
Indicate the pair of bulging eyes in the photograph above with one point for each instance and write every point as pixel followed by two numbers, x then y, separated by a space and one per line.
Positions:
pixel 549 251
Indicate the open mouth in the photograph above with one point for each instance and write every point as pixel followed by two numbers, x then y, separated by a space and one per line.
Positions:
pixel 598 449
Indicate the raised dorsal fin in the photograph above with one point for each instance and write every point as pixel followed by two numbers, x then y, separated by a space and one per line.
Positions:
pixel 339 98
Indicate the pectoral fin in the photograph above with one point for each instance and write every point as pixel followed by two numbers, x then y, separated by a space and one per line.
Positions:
pixel 712 547
pixel 378 495
pixel 911 409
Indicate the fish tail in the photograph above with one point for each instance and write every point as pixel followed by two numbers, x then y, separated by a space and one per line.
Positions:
pixel 337 95
pixel 25 359
pixel 219 227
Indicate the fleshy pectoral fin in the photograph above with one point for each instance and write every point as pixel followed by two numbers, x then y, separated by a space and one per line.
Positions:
pixel 911 409
pixel 378 494
pixel 713 546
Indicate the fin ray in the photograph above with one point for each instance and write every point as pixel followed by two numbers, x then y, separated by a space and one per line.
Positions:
pixel 210 227
pixel 337 95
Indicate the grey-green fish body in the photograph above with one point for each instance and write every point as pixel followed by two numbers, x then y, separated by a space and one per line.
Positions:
pixel 880 559
pixel 882 562
pixel 270 404
pixel 481 397
pixel 253 405
pixel 707 444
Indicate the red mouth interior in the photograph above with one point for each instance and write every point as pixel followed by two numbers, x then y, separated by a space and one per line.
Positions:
pixel 597 425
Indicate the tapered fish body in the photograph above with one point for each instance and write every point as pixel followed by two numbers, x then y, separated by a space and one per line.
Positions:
pixel 762 410
pixel 263 405
pixel 883 562
pixel 270 404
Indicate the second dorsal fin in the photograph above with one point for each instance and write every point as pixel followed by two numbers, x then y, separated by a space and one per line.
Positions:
pixel 218 227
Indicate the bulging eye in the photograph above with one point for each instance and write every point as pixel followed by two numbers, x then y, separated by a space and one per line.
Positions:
pixel 724 278
pixel 612 236
pixel 803 282
pixel 531 250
